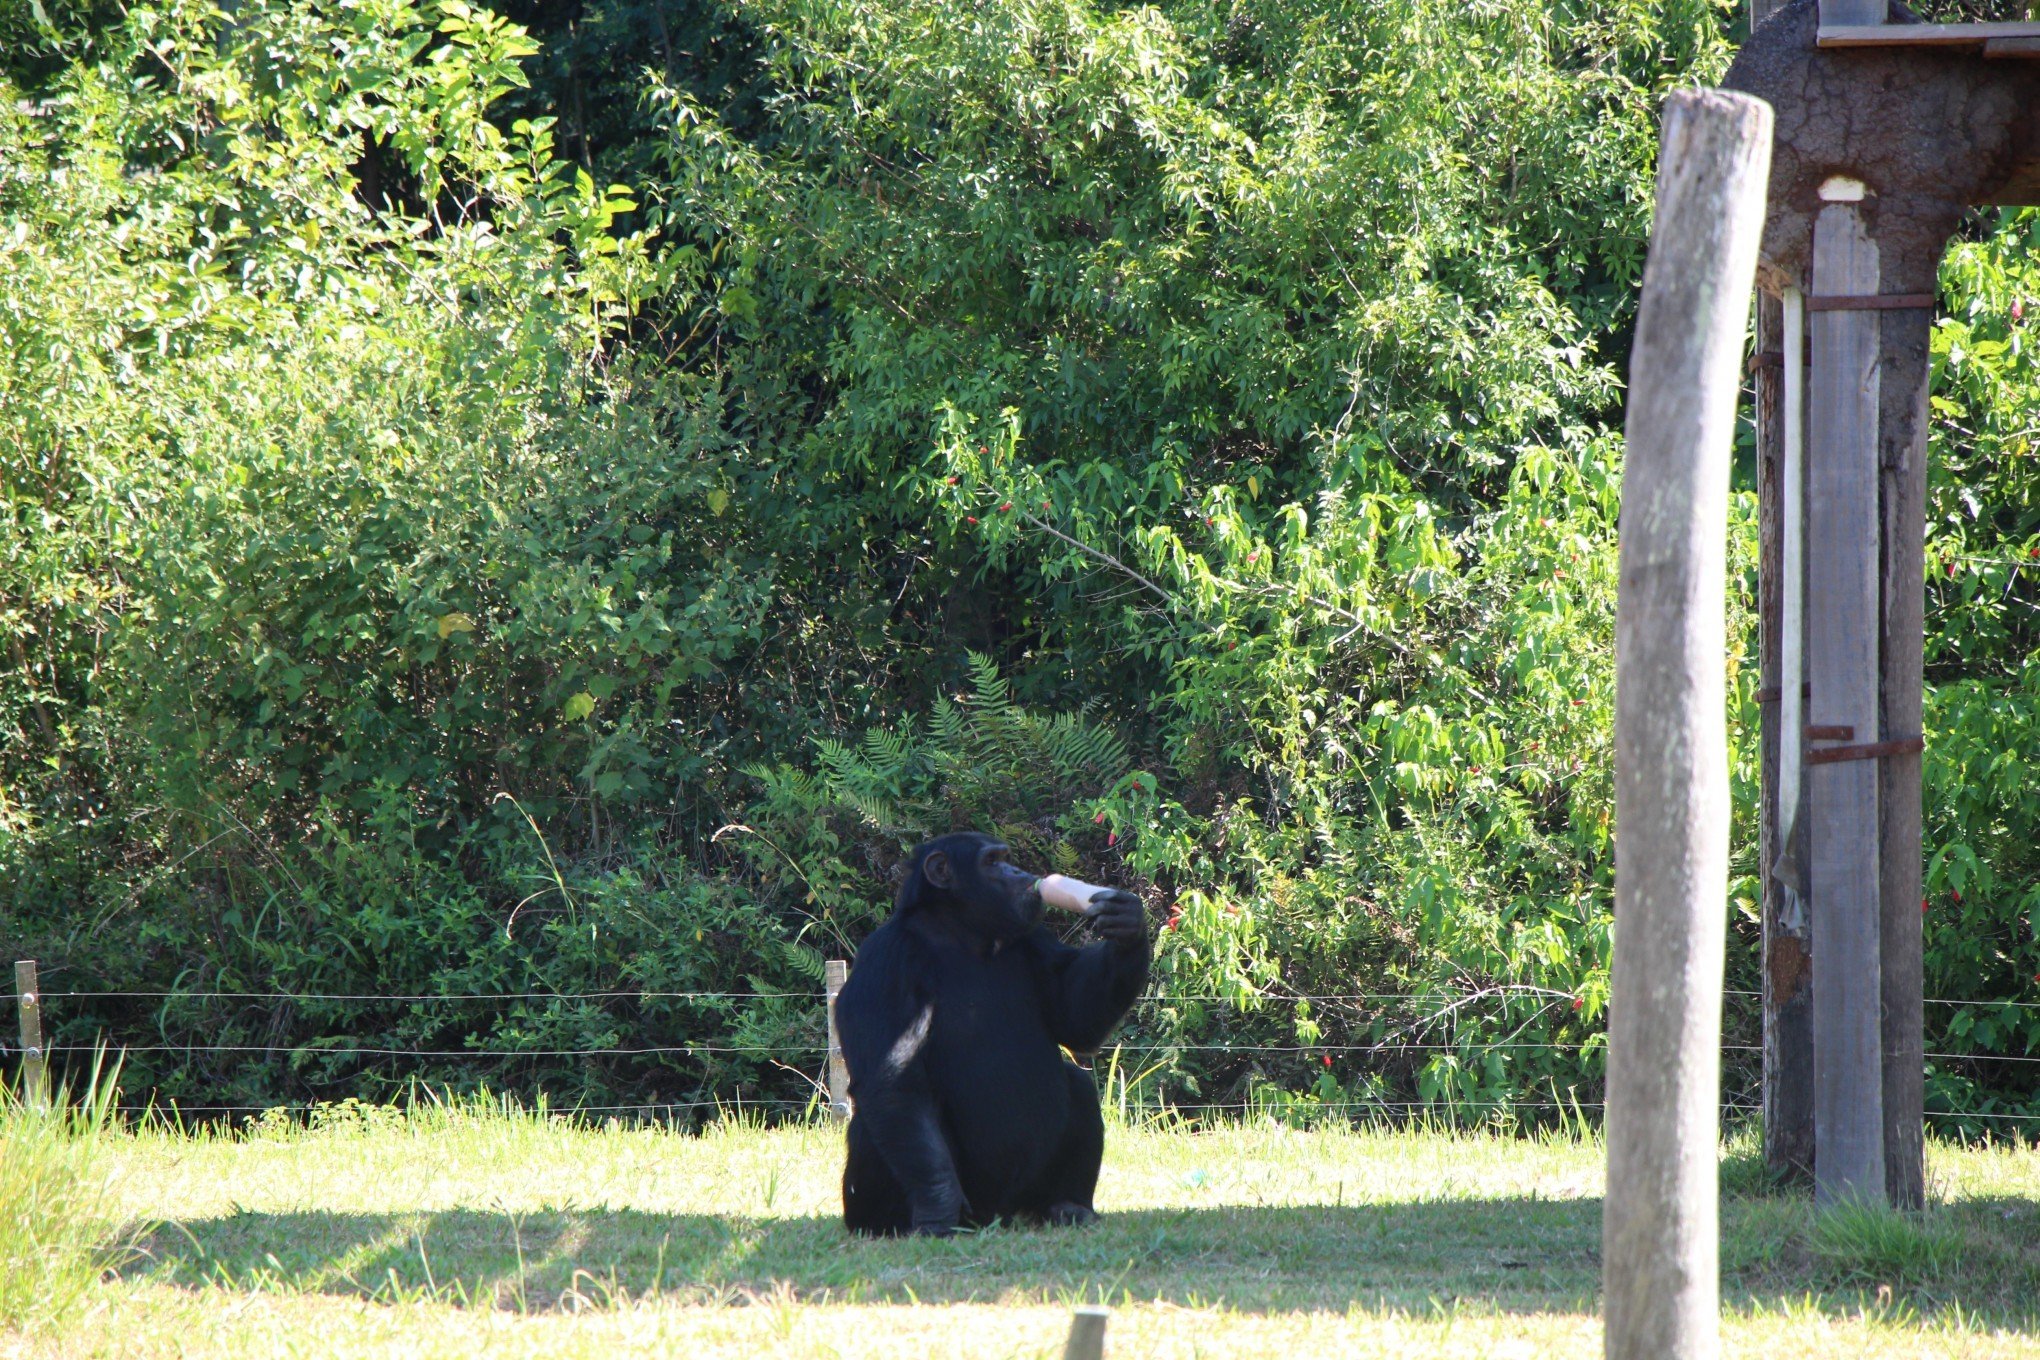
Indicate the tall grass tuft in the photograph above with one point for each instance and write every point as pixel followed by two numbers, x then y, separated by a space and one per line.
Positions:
pixel 56 1237
pixel 1869 1244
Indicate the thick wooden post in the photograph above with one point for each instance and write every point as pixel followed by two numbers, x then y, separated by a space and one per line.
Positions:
pixel 1842 643
pixel 35 1072
pixel 1787 964
pixel 1659 1253
pixel 839 1071
pixel 1902 439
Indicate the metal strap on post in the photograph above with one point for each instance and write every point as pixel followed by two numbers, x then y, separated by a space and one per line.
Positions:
pixel 1872 302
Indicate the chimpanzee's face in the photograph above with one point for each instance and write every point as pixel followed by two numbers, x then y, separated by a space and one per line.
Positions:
pixel 992 896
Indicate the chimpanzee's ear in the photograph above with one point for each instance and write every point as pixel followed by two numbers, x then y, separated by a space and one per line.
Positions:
pixel 928 872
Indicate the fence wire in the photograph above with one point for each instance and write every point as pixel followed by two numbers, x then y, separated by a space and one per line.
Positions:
pixel 1445 1008
pixel 1328 998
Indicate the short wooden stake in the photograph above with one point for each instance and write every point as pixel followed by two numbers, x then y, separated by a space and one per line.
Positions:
pixel 35 1072
pixel 1087 1333
pixel 1659 1245
pixel 839 1072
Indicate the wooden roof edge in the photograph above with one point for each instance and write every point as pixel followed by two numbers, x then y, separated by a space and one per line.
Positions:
pixel 2016 38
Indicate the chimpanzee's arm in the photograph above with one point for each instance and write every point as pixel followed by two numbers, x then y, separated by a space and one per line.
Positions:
pixel 884 1021
pixel 1087 991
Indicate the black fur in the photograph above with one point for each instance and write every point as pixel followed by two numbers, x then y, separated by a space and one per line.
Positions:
pixel 952 1022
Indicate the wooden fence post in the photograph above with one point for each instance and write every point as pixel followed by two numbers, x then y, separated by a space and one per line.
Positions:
pixel 1087 1333
pixel 35 1072
pixel 1904 367
pixel 1842 629
pixel 839 1072
pixel 1660 1254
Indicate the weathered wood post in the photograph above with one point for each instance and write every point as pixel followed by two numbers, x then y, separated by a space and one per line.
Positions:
pixel 35 1072
pixel 1842 534
pixel 839 1072
pixel 1780 369
pixel 1087 1333
pixel 1659 1257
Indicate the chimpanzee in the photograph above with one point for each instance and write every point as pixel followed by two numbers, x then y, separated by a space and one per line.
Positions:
pixel 952 1023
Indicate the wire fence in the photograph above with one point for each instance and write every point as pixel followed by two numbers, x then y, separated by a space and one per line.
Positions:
pixel 1445 1009
pixel 635 994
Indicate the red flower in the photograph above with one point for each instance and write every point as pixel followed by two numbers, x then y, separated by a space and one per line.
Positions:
pixel 1328 1060
pixel 1112 838
pixel 970 519
pixel 1098 819
pixel 2018 309
pixel 952 481
pixel 1004 508
pixel 1955 894
pixel 1253 557
pixel 1923 906
pixel 1577 1003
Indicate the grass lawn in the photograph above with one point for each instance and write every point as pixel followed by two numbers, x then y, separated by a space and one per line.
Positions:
pixel 447 1233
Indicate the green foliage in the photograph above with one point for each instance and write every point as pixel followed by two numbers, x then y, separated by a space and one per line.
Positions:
pixel 980 761
pixel 1177 438
pixel 336 536
pixel 1982 908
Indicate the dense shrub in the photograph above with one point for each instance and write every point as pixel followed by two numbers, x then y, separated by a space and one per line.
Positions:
pixel 1180 437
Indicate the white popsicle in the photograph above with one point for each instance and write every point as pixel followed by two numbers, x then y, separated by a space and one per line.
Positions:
pixel 1070 894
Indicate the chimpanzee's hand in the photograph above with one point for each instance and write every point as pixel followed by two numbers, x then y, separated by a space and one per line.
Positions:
pixel 1120 917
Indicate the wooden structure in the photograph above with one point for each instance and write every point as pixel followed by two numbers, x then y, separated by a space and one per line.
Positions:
pixel 838 973
pixel 35 1070
pixel 1659 1226
pixel 1888 131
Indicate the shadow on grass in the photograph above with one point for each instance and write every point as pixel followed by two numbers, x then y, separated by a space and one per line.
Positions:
pixel 1529 1254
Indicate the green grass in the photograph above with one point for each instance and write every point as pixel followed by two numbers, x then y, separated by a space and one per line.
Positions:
pixel 464 1232
pixel 58 1232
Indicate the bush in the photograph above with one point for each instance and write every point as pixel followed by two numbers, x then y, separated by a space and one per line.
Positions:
pixel 1178 437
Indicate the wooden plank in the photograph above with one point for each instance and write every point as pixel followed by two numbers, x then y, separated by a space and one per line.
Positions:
pixel 1902 437
pixel 35 1071
pixel 1842 666
pixel 1659 1225
pixel 2012 49
pixel 1919 35
pixel 1788 965
pixel 838 972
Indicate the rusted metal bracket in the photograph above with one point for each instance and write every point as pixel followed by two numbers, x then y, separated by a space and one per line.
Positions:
pixel 1873 750
pixel 1871 302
